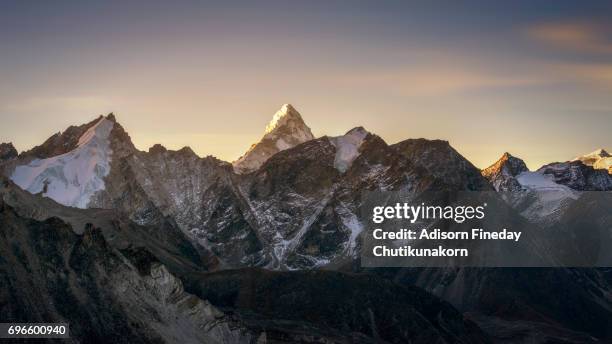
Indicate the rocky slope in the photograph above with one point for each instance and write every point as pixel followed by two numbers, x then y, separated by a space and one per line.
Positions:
pixel 113 290
pixel 350 308
pixel 111 282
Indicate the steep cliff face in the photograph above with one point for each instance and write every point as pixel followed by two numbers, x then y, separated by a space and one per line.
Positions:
pixel 578 176
pixel 502 174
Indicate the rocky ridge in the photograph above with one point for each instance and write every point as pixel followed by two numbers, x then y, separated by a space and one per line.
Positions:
pixel 300 209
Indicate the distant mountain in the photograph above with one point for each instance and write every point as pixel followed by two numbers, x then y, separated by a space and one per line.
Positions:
pixel 578 176
pixel 285 130
pixel 502 174
pixel 599 159
pixel 543 195
pixel 69 167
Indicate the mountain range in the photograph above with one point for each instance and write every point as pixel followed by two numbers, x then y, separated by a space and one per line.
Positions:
pixel 204 243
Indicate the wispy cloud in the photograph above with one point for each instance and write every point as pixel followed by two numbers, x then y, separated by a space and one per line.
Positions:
pixel 599 74
pixel 435 80
pixel 580 37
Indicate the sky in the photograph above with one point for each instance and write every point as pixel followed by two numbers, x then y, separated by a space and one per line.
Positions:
pixel 533 78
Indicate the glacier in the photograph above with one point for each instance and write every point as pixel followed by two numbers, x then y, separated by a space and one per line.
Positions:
pixel 72 178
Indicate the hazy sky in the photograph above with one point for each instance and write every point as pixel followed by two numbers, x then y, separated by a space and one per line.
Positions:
pixel 533 78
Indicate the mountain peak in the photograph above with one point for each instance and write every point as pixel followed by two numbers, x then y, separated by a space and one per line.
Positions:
pixel 507 165
pixel 502 174
pixel 358 131
pixel 602 153
pixel 284 116
pixel 596 154
pixel 286 130
pixel 80 155
pixel 598 159
pixel 7 151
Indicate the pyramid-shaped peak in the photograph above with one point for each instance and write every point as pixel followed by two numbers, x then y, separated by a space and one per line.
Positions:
pixel 507 164
pixel 284 116
pixel 286 130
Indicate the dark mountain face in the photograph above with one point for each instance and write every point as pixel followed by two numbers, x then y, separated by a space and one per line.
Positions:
pixel 7 151
pixel 371 308
pixel 444 163
pixel 502 174
pixel 115 280
pixel 578 176
pixel 104 282
pixel 61 142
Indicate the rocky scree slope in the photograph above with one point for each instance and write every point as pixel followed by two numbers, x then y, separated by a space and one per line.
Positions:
pixel 93 270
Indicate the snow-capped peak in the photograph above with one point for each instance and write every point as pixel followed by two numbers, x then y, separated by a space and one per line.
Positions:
pixel 599 159
pixel 593 156
pixel 597 154
pixel 286 130
pixel 73 177
pixel 281 117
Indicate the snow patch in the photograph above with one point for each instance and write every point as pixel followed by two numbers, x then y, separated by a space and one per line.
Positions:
pixel 280 118
pixel 282 145
pixel 603 163
pixel 551 196
pixel 599 159
pixel 71 178
pixel 347 148
pixel 356 227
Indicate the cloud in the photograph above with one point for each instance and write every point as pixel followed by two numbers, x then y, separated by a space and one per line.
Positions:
pixel 595 73
pixel 434 80
pixel 581 37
